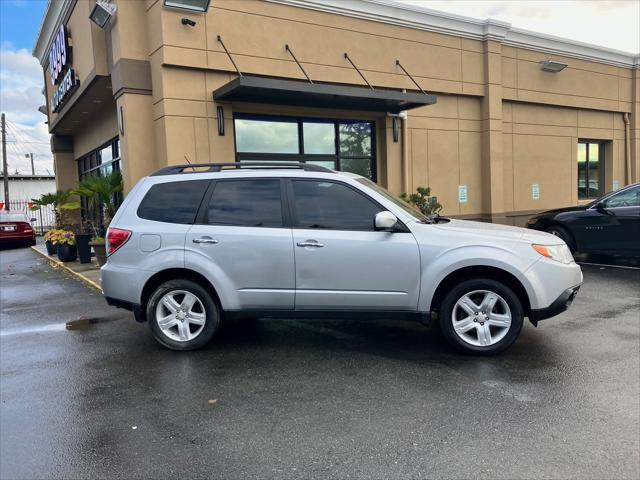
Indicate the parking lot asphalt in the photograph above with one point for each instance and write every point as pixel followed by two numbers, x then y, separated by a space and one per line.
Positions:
pixel 323 399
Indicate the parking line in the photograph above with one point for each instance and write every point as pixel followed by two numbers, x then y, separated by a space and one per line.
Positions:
pixel 608 266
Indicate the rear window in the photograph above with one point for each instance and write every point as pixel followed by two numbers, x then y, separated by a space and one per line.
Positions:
pixel 174 202
pixel 13 217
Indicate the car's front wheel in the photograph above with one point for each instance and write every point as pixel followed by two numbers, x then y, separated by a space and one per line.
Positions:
pixel 182 315
pixel 481 317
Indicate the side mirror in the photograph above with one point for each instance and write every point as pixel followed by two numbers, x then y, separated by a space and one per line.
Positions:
pixel 385 221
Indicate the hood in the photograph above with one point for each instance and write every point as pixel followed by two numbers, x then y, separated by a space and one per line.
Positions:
pixel 499 232
pixel 576 208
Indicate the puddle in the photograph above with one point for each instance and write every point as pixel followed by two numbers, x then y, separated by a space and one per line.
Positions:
pixel 83 323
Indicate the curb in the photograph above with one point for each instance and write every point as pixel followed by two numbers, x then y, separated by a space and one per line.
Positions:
pixel 57 263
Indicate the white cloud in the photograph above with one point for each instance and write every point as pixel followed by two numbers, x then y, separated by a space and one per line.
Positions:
pixel 613 24
pixel 21 81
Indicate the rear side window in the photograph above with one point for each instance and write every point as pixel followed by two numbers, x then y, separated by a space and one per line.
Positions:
pixel 246 203
pixel 174 202
pixel 334 206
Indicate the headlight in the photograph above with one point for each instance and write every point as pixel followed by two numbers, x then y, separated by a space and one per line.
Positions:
pixel 531 221
pixel 559 253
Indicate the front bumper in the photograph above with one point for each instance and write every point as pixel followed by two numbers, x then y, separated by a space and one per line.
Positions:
pixel 560 304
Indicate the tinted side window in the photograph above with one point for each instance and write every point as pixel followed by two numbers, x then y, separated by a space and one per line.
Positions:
pixel 246 203
pixel 331 205
pixel 628 198
pixel 174 202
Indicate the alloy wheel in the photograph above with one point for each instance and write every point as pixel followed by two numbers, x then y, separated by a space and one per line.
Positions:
pixel 481 318
pixel 180 315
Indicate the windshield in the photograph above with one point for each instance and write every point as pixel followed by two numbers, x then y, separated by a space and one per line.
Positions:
pixel 410 210
pixel 12 217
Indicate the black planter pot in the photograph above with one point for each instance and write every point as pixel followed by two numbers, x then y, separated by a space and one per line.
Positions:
pixel 84 249
pixel 51 248
pixel 67 253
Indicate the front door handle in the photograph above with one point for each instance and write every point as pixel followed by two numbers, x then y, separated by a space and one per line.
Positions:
pixel 205 240
pixel 310 243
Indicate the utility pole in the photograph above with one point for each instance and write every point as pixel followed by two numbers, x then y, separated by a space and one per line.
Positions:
pixel 5 168
pixel 30 155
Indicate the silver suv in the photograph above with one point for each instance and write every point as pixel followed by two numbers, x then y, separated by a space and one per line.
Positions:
pixel 188 248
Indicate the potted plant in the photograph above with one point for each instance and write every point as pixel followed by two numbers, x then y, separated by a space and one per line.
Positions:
pixel 100 249
pixel 49 236
pixel 101 193
pixel 83 241
pixel 66 242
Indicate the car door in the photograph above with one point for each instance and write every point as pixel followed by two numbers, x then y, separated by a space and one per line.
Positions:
pixel 240 238
pixel 622 229
pixel 612 224
pixel 341 262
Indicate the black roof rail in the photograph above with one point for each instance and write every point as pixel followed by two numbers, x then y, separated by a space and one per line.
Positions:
pixel 217 167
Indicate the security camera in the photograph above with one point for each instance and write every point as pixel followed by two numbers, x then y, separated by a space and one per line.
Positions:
pixel 188 21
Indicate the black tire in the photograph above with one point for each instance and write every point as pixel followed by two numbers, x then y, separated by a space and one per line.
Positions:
pixel 448 304
pixel 563 234
pixel 211 311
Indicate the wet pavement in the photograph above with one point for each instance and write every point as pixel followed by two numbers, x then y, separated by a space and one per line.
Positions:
pixel 325 399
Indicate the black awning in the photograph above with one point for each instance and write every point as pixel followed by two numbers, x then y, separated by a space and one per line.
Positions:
pixel 275 91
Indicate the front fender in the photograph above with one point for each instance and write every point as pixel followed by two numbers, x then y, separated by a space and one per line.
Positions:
pixel 436 269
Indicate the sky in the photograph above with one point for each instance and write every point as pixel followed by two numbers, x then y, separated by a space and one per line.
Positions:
pixel 610 23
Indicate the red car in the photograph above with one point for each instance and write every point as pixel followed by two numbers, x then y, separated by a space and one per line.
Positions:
pixel 16 227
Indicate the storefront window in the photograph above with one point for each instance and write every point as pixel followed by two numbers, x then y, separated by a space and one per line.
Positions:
pixel 590 169
pixel 266 136
pixel 336 144
pixel 101 162
pixel 319 138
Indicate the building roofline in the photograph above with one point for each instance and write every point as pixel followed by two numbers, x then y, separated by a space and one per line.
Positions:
pixel 420 18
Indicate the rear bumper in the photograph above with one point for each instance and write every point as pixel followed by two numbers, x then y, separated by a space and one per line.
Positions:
pixel 559 305
pixel 17 237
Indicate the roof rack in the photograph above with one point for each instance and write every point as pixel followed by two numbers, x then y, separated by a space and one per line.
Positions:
pixel 217 167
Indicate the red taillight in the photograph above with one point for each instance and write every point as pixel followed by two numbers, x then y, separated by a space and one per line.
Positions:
pixel 116 237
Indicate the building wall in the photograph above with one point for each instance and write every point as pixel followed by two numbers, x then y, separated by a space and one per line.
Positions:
pixel 25 189
pixel 500 125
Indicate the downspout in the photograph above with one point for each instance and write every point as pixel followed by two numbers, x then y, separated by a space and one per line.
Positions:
pixel 627 148
pixel 405 155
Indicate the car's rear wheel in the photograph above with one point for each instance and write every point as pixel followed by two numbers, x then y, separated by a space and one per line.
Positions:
pixel 182 315
pixel 481 317
pixel 563 234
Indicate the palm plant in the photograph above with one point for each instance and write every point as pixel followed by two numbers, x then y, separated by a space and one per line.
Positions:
pixel 57 199
pixel 101 194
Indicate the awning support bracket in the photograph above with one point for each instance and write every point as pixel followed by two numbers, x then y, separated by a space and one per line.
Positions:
pixel 229 55
pixel 409 75
pixel 286 47
pixel 346 55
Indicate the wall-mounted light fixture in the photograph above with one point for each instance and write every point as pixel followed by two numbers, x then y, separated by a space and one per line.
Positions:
pixel 552 66
pixel 220 114
pixel 102 12
pixel 189 22
pixel 396 117
pixel 191 5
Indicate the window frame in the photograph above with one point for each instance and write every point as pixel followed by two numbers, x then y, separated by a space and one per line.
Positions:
pixel 301 156
pixel 601 169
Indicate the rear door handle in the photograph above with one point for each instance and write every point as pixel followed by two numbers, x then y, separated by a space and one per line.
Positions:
pixel 205 240
pixel 310 243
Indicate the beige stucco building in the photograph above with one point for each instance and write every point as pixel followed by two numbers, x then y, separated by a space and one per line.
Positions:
pixel 505 138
